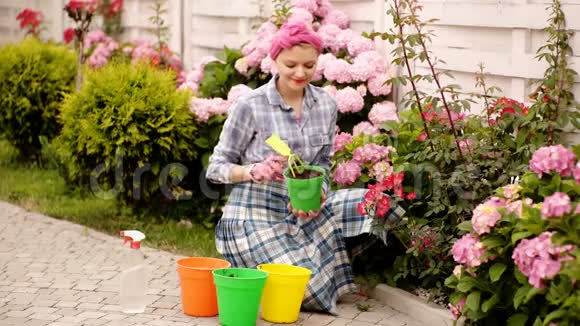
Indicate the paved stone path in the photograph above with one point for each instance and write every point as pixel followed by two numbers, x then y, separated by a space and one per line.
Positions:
pixel 57 273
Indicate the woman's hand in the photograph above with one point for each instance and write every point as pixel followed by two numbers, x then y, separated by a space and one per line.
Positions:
pixel 311 214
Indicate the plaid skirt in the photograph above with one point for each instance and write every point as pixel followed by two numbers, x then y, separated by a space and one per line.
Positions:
pixel 257 228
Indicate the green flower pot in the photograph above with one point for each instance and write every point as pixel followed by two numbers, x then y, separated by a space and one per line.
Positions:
pixel 239 293
pixel 305 193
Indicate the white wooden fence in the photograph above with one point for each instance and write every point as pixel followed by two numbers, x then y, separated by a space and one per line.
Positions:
pixel 503 34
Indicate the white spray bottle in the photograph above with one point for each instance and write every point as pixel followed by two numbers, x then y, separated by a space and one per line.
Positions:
pixel 133 289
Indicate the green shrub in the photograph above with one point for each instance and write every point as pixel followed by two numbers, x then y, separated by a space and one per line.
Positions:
pixel 124 131
pixel 35 78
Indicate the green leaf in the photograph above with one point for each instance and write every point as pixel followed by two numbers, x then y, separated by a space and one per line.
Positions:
pixel 520 235
pixel 560 291
pixel 554 315
pixel 201 142
pixel 496 271
pixel 517 320
pixel 531 180
pixel 522 279
pixel 466 283
pixel 520 295
pixel 465 226
pixel 493 241
pixel 472 301
pixel 532 293
pixel 490 303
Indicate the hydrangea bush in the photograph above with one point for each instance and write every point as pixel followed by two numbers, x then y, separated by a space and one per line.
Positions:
pixel 520 260
pixel 350 68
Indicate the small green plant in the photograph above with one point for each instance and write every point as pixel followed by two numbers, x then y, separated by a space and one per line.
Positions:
pixel 128 132
pixel 35 78
pixel 160 31
pixel 295 163
pixel 554 96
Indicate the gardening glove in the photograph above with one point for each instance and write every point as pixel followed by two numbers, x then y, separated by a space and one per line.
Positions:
pixel 271 169
pixel 304 215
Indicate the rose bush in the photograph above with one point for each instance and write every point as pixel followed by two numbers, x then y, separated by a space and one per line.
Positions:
pixel 452 157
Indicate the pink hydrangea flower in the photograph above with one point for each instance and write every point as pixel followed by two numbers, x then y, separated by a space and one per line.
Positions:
pixel 361 72
pixel 237 91
pixel 204 108
pixel 241 66
pixel 330 89
pixel 344 37
pixel 359 44
pixel 255 58
pixel 486 215
pixel 576 172
pixel 309 5
pixel 300 15
pixel 372 153
pixel 102 47
pixel 347 173
pixel 339 71
pixel 511 191
pixel 517 206
pixel 324 7
pixel 556 205
pixel 268 65
pixel 349 100
pixel 248 48
pixel 381 170
pixel 373 59
pixel 468 251
pixel 382 112
pixel 94 37
pixel 378 85
pixel 341 140
pixel 323 60
pixel 365 128
pixel 338 18
pixel 329 35
pixel 539 259
pixel 551 159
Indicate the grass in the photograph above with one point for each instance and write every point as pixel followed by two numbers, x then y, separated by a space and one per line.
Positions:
pixel 43 190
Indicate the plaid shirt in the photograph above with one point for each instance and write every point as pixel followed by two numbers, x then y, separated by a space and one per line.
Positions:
pixel 262 112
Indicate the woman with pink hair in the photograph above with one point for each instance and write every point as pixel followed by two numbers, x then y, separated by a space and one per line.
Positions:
pixel 258 225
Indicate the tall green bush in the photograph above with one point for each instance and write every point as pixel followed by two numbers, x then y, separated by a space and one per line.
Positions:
pixel 35 78
pixel 125 133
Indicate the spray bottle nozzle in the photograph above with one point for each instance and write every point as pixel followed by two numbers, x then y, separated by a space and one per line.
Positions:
pixel 134 237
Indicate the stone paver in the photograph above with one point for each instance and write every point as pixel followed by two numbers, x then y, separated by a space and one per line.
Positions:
pixel 57 273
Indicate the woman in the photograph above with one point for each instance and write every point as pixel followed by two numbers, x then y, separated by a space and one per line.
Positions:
pixel 258 225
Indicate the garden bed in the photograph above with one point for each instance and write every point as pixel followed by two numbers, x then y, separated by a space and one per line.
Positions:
pixel 411 305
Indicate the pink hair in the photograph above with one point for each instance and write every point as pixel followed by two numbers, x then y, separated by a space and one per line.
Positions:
pixel 293 34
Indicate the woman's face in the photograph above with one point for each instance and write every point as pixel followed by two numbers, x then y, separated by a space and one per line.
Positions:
pixel 296 66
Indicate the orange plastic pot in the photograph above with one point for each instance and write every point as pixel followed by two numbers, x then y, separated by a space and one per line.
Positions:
pixel 198 294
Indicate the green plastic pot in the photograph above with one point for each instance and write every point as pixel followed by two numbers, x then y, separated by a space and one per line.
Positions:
pixel 239 293
pixel 305 194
